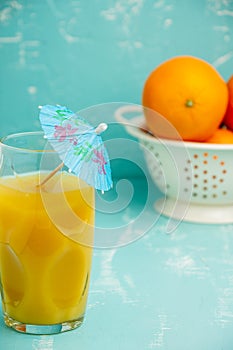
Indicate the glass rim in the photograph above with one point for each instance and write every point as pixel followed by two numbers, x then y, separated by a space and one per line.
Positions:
pixel 25 149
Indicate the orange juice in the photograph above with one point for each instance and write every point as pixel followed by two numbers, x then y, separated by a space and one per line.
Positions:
pixel 46 235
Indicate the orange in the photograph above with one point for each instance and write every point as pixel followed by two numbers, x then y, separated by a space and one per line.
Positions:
pixel 228 118
pixel 190 94
pixel 224 136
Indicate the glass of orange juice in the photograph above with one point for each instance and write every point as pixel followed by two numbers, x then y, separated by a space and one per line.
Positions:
pixel 46 238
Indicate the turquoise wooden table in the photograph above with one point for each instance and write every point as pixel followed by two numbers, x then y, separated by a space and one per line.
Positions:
pixel 162 291
pixel 158 290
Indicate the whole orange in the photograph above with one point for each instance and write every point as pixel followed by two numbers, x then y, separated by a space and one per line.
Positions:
pixel 228 118
pixel 190 94
pixel 224 136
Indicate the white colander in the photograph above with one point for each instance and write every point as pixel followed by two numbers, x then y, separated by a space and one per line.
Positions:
pixel 196 179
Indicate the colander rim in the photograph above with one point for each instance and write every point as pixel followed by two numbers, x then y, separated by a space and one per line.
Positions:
pixel 136 127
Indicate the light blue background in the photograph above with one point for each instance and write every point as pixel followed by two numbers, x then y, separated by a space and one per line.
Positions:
pixel 166 292
pixel 83 53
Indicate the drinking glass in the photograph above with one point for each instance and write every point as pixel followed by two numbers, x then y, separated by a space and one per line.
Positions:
pixel 46 237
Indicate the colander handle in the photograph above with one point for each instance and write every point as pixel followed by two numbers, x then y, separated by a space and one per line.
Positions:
pixel 129 109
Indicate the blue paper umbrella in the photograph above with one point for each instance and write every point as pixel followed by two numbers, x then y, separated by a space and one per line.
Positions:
pixel 78 144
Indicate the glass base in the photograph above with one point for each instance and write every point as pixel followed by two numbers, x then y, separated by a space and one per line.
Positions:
pixel 42 329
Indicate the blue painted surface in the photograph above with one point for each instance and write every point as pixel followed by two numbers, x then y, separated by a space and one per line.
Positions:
pixel 161 291
pixel 82 53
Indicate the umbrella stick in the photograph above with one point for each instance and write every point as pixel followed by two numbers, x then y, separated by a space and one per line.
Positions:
pixel 51 174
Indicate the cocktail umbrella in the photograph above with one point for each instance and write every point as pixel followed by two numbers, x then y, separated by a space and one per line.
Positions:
pixel 78 144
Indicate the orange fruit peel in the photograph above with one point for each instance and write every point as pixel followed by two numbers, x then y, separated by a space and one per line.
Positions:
pixel 190 94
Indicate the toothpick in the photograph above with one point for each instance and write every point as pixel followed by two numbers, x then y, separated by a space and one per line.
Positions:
pixel 51 174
